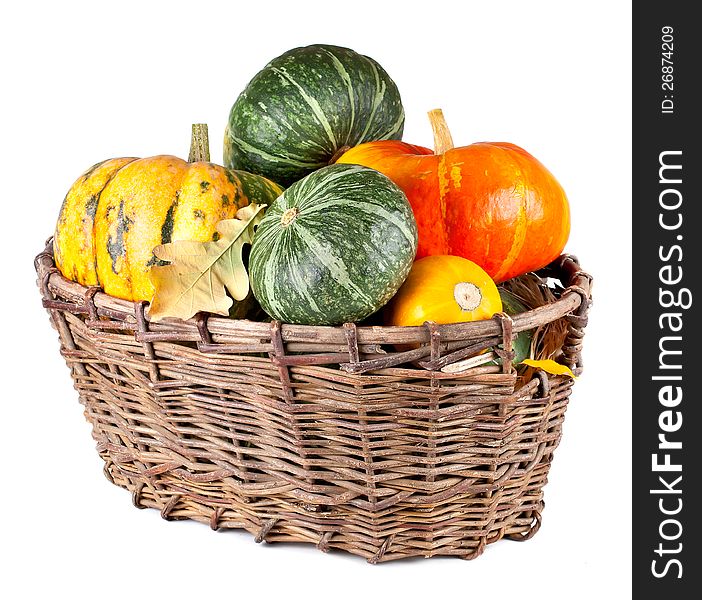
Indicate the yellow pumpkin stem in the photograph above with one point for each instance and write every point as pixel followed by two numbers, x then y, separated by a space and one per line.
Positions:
pixel 199 144
pixel 467 295
pixel 442 136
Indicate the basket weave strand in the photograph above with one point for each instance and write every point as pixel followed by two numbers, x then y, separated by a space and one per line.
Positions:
pixel 326 435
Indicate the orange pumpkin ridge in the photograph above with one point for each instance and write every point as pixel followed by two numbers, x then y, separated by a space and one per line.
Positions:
pixel 490 202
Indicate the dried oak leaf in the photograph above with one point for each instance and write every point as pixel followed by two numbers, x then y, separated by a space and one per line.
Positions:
pixel 199 274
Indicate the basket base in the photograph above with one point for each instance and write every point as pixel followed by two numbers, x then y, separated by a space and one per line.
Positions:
pixel 252 515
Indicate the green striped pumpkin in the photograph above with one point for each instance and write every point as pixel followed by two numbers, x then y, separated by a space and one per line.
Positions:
pixel 333 248
pixel 306 105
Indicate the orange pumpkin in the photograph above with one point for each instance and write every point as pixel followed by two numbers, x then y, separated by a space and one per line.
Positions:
pixel 490 202
pixel 444 289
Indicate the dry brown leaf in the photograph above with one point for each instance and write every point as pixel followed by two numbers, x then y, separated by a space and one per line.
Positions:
pixel 199 274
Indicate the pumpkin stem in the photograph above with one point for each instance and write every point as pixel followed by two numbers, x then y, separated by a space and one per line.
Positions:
pixel 199 144
pixel 442 136
pixel 289 216
pixel 338 154
pixel 467 295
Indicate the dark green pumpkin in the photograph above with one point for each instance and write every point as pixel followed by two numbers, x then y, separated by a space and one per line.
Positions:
pixel 333 248
pixel 306 105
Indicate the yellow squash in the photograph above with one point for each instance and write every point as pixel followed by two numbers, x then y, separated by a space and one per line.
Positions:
pixel 444 289
pixel 120 209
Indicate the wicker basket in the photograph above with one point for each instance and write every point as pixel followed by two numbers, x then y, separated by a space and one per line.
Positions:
pixel 326 435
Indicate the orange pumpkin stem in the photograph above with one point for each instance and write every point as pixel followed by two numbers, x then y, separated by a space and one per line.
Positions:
pixel 199 144
pixel 442 136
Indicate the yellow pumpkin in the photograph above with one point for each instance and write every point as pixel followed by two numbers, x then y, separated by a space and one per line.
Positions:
pixel 120 209
pixel 444 289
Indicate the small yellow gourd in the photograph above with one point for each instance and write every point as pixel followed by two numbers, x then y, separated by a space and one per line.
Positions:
pixel 444 289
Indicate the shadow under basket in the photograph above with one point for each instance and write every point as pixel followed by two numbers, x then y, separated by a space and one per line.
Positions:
pixel 327 435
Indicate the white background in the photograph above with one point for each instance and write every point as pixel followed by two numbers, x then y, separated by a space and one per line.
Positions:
pixel 84 82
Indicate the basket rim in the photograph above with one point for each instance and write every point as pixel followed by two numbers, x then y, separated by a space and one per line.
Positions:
pixel 574 299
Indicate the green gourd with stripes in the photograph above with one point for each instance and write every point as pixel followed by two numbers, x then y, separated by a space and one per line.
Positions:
pixel 333 248
pixel 306 106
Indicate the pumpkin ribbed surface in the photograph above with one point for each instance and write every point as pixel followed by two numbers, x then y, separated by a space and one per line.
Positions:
pixel 304 106
pixel 119 210
pixel 490 202
pixel 333 248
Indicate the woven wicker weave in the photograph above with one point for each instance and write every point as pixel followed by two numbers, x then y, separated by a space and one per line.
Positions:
pixel 326 435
